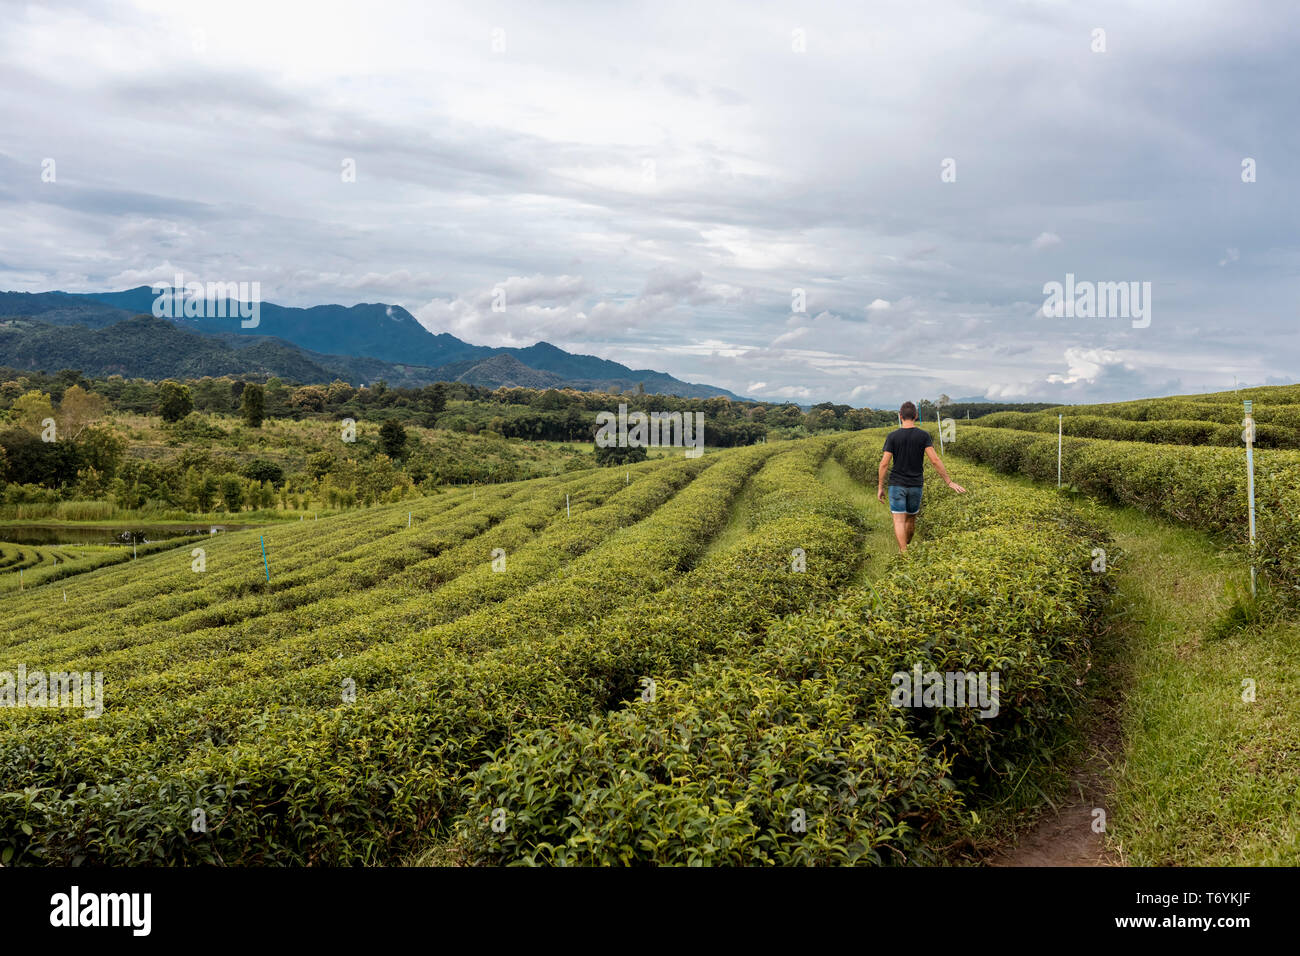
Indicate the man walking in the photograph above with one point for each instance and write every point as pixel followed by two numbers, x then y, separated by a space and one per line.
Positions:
pixel 908 447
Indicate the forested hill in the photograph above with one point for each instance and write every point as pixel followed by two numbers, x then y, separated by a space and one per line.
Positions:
pixel 358 343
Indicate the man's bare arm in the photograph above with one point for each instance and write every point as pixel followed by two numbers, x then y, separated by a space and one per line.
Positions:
pixel 933 455
pixel 885 459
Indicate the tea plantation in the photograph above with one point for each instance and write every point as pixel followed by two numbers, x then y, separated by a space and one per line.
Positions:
pixel 684 661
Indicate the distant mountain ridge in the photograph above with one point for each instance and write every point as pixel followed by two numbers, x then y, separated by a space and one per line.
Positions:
pixel 355 343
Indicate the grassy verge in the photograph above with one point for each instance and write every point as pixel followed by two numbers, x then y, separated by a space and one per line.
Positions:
pixel 1198 776
pixel 1206 778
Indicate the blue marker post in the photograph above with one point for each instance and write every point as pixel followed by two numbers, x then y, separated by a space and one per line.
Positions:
pixel 264 564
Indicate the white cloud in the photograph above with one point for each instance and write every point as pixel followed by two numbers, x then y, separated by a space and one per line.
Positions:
pixel 1006 392
pixel 1087 365
pixel 792 392
pixel 521 290
pixel 1045 240
pixel 131 278
pixel 792 336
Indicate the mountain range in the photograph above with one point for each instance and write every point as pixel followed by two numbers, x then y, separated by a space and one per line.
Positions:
pixel 118 333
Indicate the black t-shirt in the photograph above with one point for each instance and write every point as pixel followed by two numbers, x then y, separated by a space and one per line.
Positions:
pixel 908 446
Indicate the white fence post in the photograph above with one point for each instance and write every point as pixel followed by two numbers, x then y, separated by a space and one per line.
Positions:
pixel 1248 433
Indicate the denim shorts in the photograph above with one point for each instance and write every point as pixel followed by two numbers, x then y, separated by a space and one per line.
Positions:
pixel 904 500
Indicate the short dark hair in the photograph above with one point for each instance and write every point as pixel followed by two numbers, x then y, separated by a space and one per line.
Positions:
pixel 907 411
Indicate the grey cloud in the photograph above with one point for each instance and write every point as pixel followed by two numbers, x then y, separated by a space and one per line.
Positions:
pixel 774 172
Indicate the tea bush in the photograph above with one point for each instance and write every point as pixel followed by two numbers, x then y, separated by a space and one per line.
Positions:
pixel 223 693
pixel 796 727
pixel 1169 431
pixel 1202 487
pixel 42 564
pixel 243 729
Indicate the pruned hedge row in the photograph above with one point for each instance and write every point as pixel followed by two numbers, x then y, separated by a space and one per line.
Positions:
pixel 1279 404
pixel 1265 394
pixel 1201 487
pixel 158 590
pixel 1166 431
pixel 1224 412
pixel 41 564
pixel 186 680
pixel 317 582
pixel 16 557
pixel 785 748
pixel 327 781
pixel 176 662
pixel 310 561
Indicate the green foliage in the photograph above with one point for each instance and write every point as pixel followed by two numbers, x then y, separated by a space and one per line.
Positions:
pixel 174 401
pixel 336 804
pixel 252 405
pixel 260 470
pixel 31 411
pixel 194 427
pixel 797 724
pixel 44 564
pixel 433 402
pixel 1201 487
pixel 1162 430
pixel 29 460
pixel 618 455
pixel 523 688
pixel 232 493
pixel 392 438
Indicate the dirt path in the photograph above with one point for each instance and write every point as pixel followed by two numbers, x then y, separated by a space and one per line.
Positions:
pixel 878 546
pixel 1066 836
pixel 1073 833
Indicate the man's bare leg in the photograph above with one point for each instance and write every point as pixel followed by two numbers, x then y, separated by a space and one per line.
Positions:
pixel 911 527
pixel 903 530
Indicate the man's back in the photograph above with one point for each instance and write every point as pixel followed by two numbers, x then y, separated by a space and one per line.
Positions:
pixel 908 447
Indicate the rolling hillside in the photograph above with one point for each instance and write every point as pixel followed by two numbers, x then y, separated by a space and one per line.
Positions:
pixel 353 684
pixel 678 662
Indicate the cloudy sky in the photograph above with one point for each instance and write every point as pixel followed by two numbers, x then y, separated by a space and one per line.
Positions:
pixel 652 182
